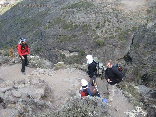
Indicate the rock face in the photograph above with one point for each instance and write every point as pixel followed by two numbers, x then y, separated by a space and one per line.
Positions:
pixel 143 56
pixel 16 96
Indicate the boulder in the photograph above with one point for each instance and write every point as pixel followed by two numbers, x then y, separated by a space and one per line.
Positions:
pixel 6 85
pixel 32 92
pixel 16 94
pixel 8 113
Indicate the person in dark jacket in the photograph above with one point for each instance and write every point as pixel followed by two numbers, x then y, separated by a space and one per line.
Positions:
pixel 91 66
pixel 23 51
pixel 112 74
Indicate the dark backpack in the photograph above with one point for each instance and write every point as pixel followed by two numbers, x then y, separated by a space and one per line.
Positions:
pixel 92 91
pixel 119 67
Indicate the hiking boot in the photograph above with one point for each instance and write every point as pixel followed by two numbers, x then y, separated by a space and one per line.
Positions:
pixel 24 73
pixel 27 65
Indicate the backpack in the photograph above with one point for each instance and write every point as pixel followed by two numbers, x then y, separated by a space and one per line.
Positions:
pixel 92 90
pixel 119 67
pixel 84 93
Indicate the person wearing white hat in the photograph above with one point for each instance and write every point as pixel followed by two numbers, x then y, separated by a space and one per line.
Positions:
pixel 91 66
pixel 83 90
pixel 23 51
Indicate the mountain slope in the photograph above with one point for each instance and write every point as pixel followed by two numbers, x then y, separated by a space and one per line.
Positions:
pixel 121 30
pixel 98 27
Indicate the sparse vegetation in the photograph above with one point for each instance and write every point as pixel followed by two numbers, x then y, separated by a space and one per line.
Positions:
pixel 81 52
pixel 80 5
pixel 109 20
pixel 100 43
pixel 98 25
pixel 64 38
pixel 85 28
pixel 134 28
pixel 154 69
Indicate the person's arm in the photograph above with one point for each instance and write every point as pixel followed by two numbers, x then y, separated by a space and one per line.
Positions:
pixel 106 76
pixel 28 50
pixel 19 50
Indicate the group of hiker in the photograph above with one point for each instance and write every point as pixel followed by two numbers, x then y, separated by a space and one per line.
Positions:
pixel 113 75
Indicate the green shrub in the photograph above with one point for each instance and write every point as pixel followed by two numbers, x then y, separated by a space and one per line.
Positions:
pixel 69 26
pixel 98 25
pixel 63 56
pixel 86 28
pixel 100 43
pixel 45 27
pixel 81 52
pixel 109 21
pixel 154 70
pixel 116 30
pixel 6 53
pixel 134 28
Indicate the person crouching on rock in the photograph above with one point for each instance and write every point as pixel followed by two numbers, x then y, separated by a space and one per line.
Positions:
pixel 83 90
pixel 23 51
pixel 111 75
pixel 91 66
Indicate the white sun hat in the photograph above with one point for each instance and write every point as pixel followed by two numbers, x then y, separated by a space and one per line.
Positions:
pixel 89 59
pixel 84 82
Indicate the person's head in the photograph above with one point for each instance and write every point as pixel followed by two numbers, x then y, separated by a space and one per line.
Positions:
pixel 23 40
pixel 89 59
pixel 109 64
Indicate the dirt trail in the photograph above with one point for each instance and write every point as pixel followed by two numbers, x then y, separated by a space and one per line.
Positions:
pixel 12 72
pixel 120 103
pixel 65 83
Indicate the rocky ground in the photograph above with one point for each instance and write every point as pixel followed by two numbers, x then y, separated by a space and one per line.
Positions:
pixel 43 89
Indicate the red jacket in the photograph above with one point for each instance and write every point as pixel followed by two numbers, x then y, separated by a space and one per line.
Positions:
pixel 23 50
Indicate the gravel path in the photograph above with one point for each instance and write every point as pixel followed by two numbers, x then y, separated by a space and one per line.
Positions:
pixel 65 83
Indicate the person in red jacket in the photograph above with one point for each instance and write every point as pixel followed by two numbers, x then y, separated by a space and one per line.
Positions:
pixel 23 51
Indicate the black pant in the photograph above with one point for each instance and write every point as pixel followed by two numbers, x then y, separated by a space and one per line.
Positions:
pixel 24 63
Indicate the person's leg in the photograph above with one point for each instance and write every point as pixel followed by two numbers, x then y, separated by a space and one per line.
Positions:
pixel 26 60
pixel 23 65
pixel 111 92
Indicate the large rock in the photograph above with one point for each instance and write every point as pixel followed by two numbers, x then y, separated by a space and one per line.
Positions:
pixel 16 94
pixel 32 92
pixel 143 56
pixel 6 85
pixel 8 113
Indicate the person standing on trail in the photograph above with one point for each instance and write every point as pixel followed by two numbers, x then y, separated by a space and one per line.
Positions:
pixel 23 51
pixel 111 75
pixel 91 66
